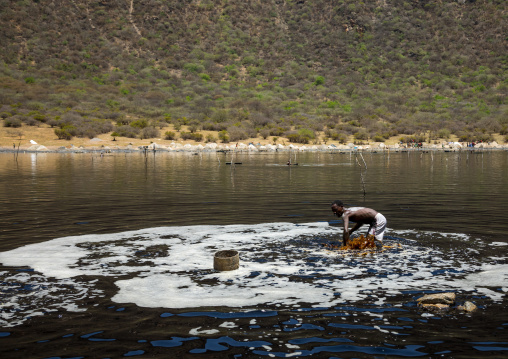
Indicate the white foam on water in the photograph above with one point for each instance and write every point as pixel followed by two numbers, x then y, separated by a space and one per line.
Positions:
pixel 289 355
pixel 228 325
pixel 27 295
pixel 281 264
pixel 198 331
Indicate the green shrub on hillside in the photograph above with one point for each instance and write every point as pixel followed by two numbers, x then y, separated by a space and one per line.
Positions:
pixel 320 80
pixel 141 123
pixel 169 135
pixel 361 135
pixel 444 133
pixel 127 131
pixel 193 67
pixel 14 122
pixel 210 138
pixel 223 136
pixel 149 132
pixel 66 132
pixel 303 136
pixel 378 138
pixel 198 137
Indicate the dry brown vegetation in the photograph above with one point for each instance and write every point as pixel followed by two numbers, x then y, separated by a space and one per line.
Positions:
pixel 300 71
pixel 44 135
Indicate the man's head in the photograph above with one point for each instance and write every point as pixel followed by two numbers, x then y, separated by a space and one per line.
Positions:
pixel 337 207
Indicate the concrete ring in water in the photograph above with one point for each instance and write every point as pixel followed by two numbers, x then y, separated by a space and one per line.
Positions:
pixel 226 260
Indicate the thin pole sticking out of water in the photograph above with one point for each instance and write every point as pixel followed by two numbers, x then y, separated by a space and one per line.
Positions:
pixel 233 157
pixel 154 151
pixel 17 151
pixel 361 170
pixel 145 151
pixel 233 166
pixel 365 164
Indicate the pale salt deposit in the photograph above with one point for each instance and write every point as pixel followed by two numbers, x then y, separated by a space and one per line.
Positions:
pixel 281 264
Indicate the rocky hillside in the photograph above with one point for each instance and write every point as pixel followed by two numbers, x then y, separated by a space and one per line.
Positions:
pixel 290 68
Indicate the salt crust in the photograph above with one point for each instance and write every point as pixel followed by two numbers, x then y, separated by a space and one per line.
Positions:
pixel 280 264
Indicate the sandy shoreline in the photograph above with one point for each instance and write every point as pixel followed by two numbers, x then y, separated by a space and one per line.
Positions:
pixel 251 148
pixel 42 139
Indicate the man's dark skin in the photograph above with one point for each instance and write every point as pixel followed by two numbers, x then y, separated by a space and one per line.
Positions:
pixel 360 217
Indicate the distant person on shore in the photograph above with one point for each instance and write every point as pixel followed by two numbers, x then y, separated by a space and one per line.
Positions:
pixel 361 216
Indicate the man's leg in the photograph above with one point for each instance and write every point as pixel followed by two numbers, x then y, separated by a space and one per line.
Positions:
pixel 380 227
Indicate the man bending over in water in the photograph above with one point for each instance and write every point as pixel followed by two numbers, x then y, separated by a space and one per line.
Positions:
pixel 361 216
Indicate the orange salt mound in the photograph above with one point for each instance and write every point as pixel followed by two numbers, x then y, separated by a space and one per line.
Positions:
pixel 360 243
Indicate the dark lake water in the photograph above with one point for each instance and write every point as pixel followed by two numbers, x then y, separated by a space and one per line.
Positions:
pixel 112 256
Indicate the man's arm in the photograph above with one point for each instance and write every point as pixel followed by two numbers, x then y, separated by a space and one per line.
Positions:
pixel 356 226
pixel 345 237
pixel 345 233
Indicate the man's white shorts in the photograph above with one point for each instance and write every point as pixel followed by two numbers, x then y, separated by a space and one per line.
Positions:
pixel 378 227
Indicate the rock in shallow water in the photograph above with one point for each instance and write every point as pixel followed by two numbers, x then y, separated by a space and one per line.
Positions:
pixel 439 298
pixel 467 307
pixel 437 306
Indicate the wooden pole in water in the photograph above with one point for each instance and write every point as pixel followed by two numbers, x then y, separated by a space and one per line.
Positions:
pixel 361 171
pixel 17 151
pixel 145 151
pixel 233 157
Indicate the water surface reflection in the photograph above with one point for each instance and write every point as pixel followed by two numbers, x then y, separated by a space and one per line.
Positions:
pixel 446 209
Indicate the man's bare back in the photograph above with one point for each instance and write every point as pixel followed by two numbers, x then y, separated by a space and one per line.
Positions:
pixel 360 214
